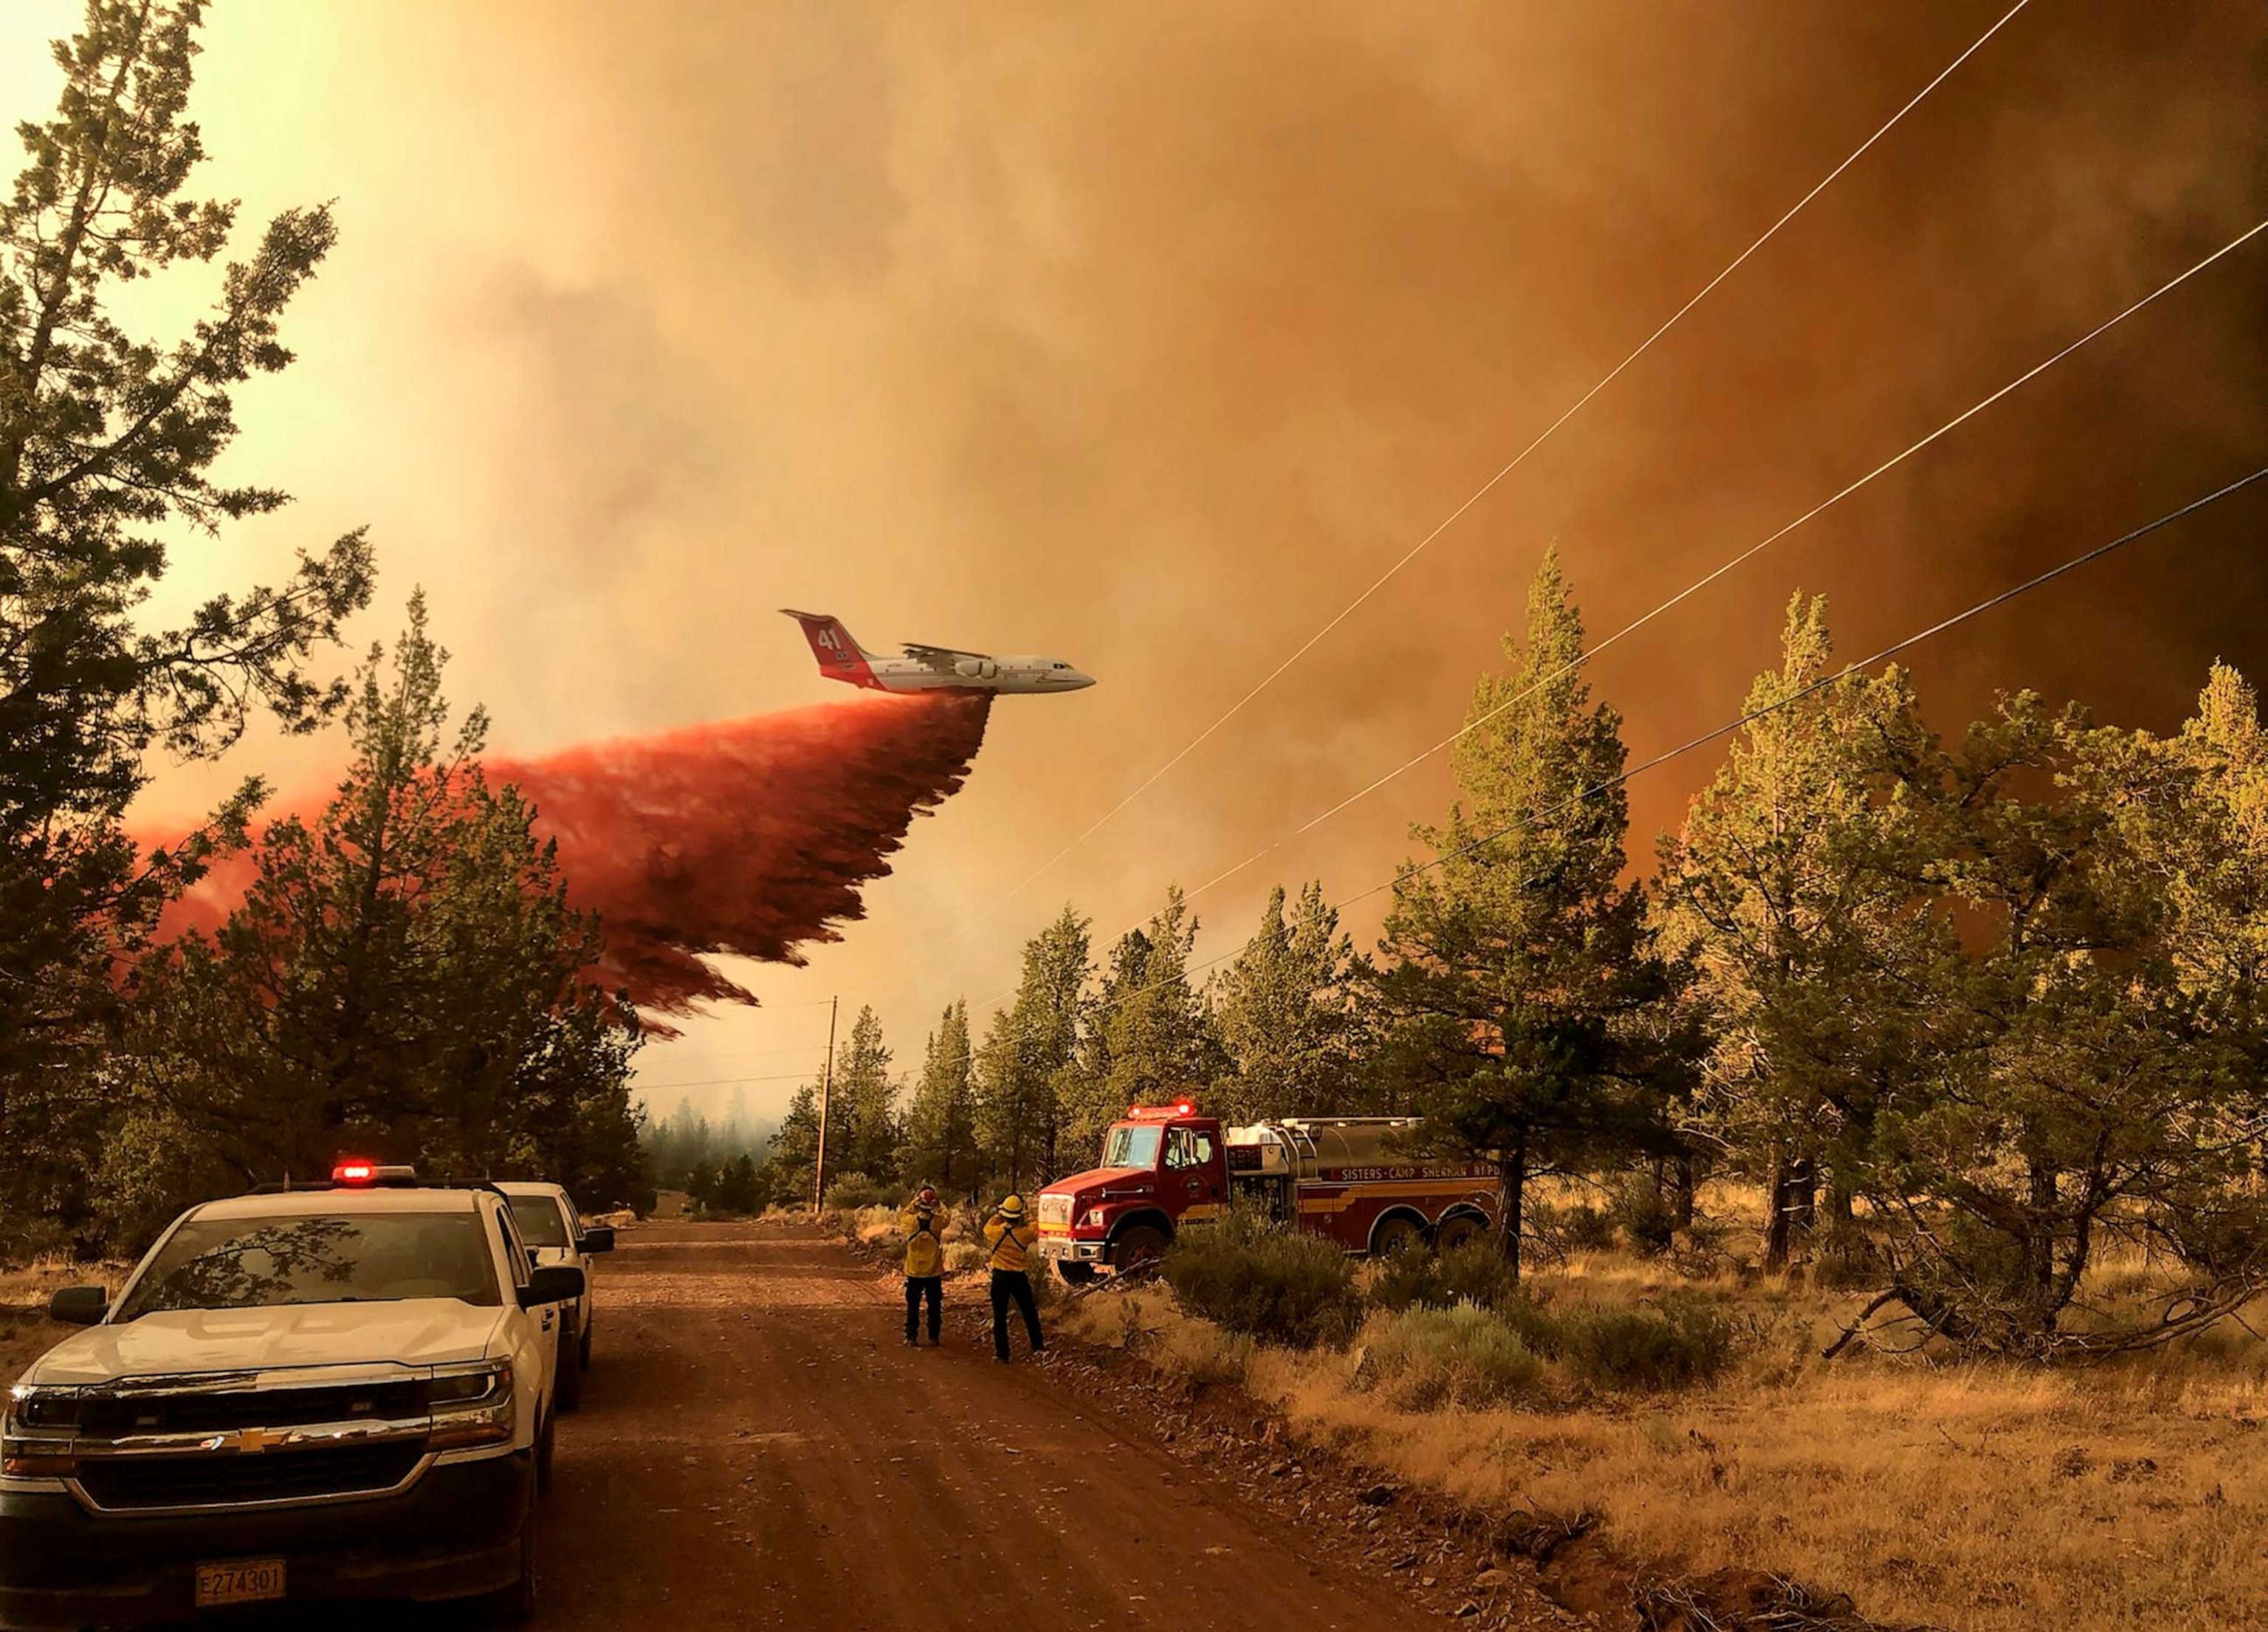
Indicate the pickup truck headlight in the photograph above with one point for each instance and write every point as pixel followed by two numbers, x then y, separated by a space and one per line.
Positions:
pixel 36 1435
pixel 472 1405
pixel 43 1408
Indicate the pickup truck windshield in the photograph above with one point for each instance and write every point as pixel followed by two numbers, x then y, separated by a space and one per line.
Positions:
pixel 1132 1145
pixel 541 1222
pixel 265 1263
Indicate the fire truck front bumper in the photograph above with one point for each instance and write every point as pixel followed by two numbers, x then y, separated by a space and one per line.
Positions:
pixel 1067 1250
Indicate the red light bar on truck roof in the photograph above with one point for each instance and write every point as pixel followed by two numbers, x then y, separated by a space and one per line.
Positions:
pixel 1161 1113
pixel 355 1172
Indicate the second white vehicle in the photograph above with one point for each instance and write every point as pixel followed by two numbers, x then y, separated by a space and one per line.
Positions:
pixel 555 1235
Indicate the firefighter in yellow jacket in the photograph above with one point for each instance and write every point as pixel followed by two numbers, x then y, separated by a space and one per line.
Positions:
pixel 922 1228
pixel 1008 1239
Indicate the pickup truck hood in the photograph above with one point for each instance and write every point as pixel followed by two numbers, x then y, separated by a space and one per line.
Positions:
pixel 417 1332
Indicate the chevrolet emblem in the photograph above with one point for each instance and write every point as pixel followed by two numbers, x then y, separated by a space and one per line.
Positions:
pixel 248 1439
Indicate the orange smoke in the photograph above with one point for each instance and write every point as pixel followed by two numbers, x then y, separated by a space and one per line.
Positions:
pixel 751 839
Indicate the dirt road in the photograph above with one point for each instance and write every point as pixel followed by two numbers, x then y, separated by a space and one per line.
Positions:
pixel 756 1448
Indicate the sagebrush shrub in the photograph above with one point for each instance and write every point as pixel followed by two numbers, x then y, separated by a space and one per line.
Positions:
pixel 853 1191
pixel 1275 1284
pixel 1643 1215
pixel 1473 1273
pixel 1686 1340
pixel 1464 1355
pixel 1410 1279
pixel 1577 1227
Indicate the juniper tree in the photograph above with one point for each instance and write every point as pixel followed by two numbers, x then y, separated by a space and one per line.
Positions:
pixel 2077 1081
pixel 1788 884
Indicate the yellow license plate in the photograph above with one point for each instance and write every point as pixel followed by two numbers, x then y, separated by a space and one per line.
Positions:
pixel 246 1581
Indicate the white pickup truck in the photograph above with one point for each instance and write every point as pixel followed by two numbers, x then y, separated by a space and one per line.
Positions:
pixel 337 1393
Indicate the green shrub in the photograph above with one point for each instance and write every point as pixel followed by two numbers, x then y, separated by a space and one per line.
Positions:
pixel 853 1191
pixel 1473 1273
pixel 1426 1358
pixel 1643 1216
pixel 1476 1273
pixel 1410 1279
pixel 1686 1340
pixel 1577 1226
pixel 1278 1285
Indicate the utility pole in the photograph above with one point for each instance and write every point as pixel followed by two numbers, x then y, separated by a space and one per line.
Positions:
pixel 826 1088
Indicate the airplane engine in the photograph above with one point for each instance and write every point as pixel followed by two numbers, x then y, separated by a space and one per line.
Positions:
pixel 969 667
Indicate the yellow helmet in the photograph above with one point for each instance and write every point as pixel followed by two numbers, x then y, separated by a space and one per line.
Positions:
pixel 1013 1207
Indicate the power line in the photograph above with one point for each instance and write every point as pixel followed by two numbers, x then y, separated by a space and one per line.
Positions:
pixel 1746 555
pixel 1884 655
pixel 1486 487
pixel 1402 876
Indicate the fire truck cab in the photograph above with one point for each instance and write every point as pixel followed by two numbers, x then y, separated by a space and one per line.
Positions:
pixel 1348 1180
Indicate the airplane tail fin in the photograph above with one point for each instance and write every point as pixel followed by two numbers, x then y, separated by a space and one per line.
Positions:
pixel 840 657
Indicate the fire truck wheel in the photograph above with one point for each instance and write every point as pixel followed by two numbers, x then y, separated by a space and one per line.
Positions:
pixel 1138 1247
pixel 1398 1234
pixel 1074 1275
pixel 1462 1230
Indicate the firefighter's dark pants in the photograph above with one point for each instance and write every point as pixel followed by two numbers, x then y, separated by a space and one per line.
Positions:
pixel 920 1287
pixel 1007 1284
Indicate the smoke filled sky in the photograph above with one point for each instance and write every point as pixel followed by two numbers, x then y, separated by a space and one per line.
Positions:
pixel 1145 336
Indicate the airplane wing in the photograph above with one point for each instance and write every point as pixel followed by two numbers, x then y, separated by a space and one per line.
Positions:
pixel 940 657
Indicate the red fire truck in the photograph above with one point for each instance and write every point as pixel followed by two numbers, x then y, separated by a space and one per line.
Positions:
pixel 1348 1179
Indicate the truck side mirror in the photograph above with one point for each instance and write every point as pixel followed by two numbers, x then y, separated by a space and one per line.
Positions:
pixel 79 1306
pixel 598 1238
pixel 554 1283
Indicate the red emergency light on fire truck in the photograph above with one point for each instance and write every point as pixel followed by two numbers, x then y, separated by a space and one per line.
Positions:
pixel 1348 1180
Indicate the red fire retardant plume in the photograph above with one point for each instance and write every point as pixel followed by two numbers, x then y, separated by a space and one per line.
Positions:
pixel 752 839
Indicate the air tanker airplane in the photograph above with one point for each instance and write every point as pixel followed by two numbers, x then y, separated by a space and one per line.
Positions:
pixel 928 668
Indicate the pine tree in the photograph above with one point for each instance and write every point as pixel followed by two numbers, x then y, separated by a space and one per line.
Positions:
pixel 104 440
pixel 1028 1051
pixel 403 977
pixel 1284 1016
pixel 1522 987
pixel 1150 1038
pixel 794 1151
pixel 862 1122
pixel 940 1142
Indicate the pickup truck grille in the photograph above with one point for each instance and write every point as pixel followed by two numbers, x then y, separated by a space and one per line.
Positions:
pixel 124 1483
pixel 115 1416
pixel 1054 1209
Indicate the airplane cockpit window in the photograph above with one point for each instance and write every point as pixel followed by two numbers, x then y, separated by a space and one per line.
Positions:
pixel 1059 665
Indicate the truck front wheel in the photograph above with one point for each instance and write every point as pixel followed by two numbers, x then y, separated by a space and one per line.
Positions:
pixel 1138 1247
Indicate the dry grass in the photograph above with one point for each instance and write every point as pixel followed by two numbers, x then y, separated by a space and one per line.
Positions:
pixel 1983 1497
